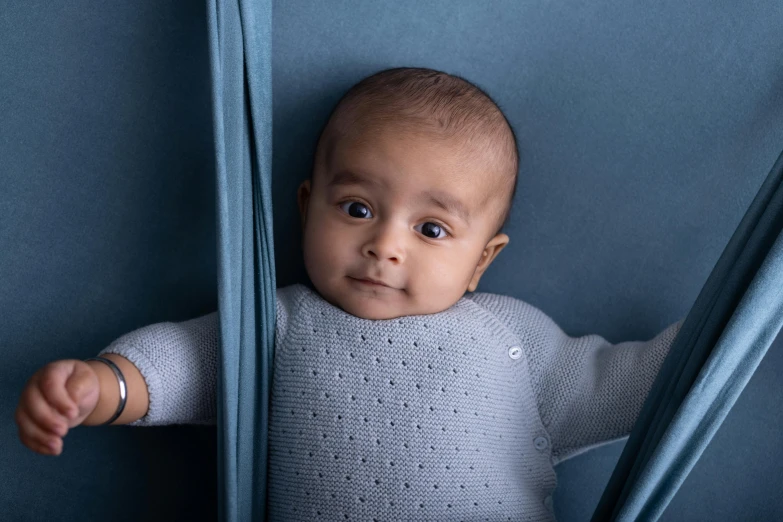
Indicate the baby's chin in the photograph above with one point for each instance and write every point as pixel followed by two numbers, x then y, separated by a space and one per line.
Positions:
pixel 377 303
pixel 375 308
pixel 374 304
pixel 384 307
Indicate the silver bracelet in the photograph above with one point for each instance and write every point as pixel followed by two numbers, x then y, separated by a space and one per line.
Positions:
pixel 123 388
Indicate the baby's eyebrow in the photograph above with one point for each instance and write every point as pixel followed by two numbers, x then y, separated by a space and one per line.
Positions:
pixel 448 203
pixel 348 177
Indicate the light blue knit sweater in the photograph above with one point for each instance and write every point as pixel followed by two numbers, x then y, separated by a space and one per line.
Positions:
pixel 459 415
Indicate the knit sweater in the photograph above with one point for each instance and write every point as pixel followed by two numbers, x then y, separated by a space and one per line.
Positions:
pixel 459 415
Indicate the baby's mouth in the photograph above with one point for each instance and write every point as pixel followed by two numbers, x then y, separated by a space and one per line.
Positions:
pixel 369 282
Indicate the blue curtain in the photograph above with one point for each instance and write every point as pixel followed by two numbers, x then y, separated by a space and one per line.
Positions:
pixel 240 35
pixel 734 320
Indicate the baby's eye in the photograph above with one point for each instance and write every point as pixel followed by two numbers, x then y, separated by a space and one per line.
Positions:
pixel 356 209
pixel 431 230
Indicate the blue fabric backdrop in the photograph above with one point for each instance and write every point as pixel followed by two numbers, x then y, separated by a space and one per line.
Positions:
pixel 646 131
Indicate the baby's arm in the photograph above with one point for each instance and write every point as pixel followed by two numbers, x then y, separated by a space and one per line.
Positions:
pixel 68 393
pixel 169 372
pixel 589 391
pixel 137 398
pixel 178 363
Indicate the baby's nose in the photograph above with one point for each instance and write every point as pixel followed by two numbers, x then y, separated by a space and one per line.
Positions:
pixel 385 245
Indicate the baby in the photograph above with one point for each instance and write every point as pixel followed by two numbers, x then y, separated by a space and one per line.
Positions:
pixel 396 395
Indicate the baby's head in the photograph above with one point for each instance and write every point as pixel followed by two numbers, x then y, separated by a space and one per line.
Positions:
pixel 412 182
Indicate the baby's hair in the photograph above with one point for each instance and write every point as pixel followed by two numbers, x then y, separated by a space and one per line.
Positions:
pixel 423 97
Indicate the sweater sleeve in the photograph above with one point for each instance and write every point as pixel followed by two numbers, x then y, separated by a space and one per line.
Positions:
pixel 179 364
pixel 589 391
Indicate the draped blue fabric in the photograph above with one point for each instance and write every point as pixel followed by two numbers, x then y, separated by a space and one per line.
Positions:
pixel 735 319
pixel 240 57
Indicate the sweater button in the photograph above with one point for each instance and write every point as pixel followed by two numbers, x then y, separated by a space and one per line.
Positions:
pixel 541 443
pixel 548 502
pixel 515 352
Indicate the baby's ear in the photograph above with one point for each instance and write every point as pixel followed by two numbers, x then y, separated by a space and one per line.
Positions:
pixel 303 198
pixel 493 248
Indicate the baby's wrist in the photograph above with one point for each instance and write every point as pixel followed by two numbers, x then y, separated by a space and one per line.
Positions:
pixel 109 394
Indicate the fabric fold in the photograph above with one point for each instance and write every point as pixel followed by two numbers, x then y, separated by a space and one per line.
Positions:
pixel 736 317
pixel 241 67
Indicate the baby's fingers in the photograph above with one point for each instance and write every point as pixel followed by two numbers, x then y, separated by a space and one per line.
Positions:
pixel 35 407
pixel 52 385
pixel 37 438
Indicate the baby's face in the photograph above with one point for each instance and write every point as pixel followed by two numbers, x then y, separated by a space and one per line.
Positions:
pixel 400 223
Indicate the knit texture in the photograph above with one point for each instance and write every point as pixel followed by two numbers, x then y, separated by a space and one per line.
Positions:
pixel 459 415
pixel 179 364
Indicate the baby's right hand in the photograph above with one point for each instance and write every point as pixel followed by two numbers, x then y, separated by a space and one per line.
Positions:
pixel 57 397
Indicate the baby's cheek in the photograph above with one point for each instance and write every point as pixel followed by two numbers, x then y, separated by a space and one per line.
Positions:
pixel 316 254
pixel 329 256
pixel 444 281
pixel 317 236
